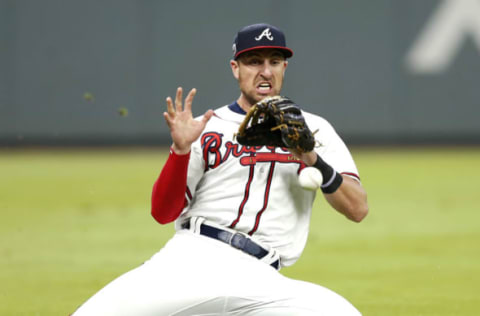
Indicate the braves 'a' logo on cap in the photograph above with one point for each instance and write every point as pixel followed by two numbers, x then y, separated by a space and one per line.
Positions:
pixel 234 49
pixel 266 33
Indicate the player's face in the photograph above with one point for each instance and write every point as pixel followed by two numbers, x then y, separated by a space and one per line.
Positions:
pixel 260 74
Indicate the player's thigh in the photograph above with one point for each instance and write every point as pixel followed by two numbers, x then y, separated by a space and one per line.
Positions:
pixel 316 299
pixel 141 292
pixel 117 297
pixel 165 284
pixel 267 292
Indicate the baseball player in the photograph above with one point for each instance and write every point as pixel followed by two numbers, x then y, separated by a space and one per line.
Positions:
pixel 240 213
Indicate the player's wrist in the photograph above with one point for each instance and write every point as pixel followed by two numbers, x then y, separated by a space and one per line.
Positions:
pixel 179 150
pixel 309 158
pixel 331 178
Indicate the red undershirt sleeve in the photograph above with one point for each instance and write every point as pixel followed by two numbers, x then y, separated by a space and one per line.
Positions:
pixel 168 196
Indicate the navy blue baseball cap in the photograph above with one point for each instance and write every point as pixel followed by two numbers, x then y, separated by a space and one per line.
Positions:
pixel 258 36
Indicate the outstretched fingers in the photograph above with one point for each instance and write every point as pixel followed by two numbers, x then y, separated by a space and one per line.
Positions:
pixel 177 111
pixel 170 109
pixel 167 118
pixel 207 116
pixel 178 99
pixel 189 100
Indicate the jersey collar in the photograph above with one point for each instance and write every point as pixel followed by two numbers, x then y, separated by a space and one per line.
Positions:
pixel 236 108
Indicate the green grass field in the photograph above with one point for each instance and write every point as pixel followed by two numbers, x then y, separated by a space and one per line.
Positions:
pixel 72 220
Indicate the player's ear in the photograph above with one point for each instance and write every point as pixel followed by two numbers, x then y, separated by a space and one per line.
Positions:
pixel 285 64
pixel 234 66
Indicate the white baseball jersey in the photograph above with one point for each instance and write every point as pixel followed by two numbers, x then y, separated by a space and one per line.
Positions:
pixel 255 190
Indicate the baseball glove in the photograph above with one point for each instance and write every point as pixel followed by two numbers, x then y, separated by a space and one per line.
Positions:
pixel 276 121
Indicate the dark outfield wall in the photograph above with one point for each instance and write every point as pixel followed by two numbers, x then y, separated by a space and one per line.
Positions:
pixel 379 70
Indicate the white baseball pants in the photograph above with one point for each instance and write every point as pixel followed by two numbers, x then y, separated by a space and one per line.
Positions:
pixel 197 275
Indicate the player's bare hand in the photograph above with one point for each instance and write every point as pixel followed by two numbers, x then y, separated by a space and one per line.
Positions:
pixel 309 158
pixel 184 129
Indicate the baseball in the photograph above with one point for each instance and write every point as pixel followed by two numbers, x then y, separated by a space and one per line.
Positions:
pixel 310 178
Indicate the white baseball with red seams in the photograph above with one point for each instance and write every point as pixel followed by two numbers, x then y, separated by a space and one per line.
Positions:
pixel 310 178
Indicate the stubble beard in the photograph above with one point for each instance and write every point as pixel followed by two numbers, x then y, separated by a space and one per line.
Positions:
pixel 251 99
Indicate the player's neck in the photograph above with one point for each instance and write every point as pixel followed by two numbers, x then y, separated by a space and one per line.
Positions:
pixel 244 103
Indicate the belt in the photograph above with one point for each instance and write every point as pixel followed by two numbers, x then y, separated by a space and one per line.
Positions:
pixel 235 240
